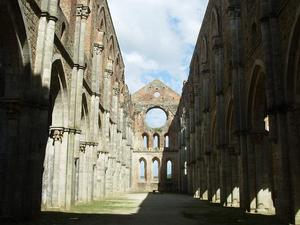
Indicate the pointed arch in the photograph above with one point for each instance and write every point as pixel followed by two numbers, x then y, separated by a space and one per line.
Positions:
pixel 85 119
pixel 167 141
pixel 203 50
pixel 215 23
pixel 156 141
pixel 155 168
pixel 169 169
pixel 58 97
pixel 142 169
pixel 145 137
pixel 102 19
pixel 256 105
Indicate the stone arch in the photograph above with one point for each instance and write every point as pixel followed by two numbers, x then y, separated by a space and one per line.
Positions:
pixel 18 85
pixel 118 66
pixel 85 119
pixel 203 49
pixel 214 163
pixel 145 137
pixel 155 168
pixel 58 97
pixel 196 62
pixel 101 27
pixel 214 26
pixel 169 168
pixel 256 89
pixel 65 6
pixel 166 140
pixel 111 48
pixel 156 141
pixel 142 169
pixel 259 146
pixel 292 93
pixel 89 27
pixel 158 107
pixel 15 53
pixel 102 22
pixel 292 77
pixel 232 186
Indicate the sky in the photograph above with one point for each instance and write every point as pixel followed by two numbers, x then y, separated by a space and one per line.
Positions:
pixel 157 39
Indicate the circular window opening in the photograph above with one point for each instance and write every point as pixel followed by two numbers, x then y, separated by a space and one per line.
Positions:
pixel 156 94
pixel 156 118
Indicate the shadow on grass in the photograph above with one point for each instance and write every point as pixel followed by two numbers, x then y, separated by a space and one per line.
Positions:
pixel 155 209
pixel 210 213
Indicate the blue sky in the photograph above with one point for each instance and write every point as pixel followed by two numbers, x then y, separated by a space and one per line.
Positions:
pixel 157 38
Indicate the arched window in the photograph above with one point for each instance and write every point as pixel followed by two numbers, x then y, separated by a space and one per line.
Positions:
pixel 169 169
pixel 166 141
pixel 155 168
pixel 156 141
pixel 142 170
pixel 145 141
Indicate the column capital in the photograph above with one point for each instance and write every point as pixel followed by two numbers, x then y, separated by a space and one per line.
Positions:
pixel 234 11
pixel 108 73
pixel 56 133
pixel 82 146
pixel 98 48
pixel 83 11
pixel 79 10
pixel 116 91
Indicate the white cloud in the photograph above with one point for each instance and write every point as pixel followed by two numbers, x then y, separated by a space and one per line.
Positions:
pixel 157 35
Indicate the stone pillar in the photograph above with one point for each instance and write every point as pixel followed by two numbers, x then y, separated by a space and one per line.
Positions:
pixel 50 176
pixel 45 42
pixel 109 177
pixel 263 160
pixel 60 145
pixel 43 67
pixel 107 85
pixel 286 166
pixel 239 96
pixel 207 173
pixel 220 116
pixel 95 99
pixel 82 177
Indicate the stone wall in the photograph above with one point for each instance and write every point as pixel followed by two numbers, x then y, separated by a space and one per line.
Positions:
pixel 67 136
pixel 154 95
pixel 238 121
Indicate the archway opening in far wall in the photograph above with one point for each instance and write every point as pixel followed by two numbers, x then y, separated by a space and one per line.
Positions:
pixel 156 118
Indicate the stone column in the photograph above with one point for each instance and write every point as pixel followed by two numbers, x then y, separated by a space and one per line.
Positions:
pixel 109 177
pixel 239 95
pixel 95 98
pixel 45 42
pixel 82 13
pixel 51 176
pixel 220 116
pixel 286 166
pixel 82 180
pixel 264 202
pixel 57 140
pixel 197 111
pixel 206 131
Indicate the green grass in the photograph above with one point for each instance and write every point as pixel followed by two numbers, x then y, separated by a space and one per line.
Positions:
pixel 106 206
